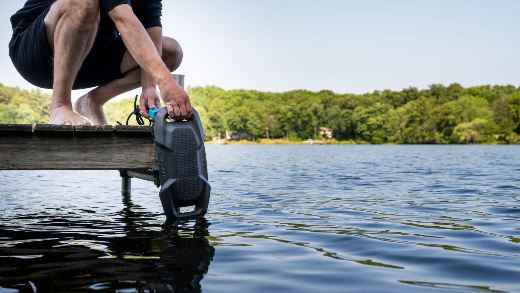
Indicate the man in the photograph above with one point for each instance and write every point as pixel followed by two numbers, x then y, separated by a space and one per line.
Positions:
pixel 113 45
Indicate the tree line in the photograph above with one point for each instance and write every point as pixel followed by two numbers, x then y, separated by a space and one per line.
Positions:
pixel 439 114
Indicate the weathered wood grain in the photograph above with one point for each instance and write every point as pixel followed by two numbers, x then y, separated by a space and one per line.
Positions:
pixel 94 128
pixel 77 148
pixel 132 129
pixel 51 128
pixel 15 128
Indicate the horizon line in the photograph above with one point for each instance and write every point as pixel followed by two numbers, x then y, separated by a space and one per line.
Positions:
pixel 189 86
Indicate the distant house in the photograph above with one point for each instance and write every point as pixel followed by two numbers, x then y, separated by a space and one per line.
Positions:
pixel 325 132
pixel 231 135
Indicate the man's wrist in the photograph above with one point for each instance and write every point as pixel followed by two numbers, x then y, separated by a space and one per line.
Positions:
pixel 148 88
pixel 147 84
pixel 164 80
pixel 147 81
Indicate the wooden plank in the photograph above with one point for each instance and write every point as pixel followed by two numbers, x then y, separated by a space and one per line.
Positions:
pixel 94 128
pixel 133 129
pixel 52 130
pixel 58 148
pixel 46 128
pixel 15 128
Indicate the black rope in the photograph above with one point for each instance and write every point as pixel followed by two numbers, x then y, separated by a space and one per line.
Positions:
pixel 138 117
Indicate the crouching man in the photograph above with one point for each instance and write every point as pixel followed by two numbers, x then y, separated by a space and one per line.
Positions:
pixel 111 45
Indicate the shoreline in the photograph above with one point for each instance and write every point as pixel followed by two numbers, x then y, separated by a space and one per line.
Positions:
pixel 326 142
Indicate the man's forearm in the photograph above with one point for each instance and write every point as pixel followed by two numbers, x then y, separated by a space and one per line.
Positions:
pixel 139 43
pixel 146 55
pixel 155 34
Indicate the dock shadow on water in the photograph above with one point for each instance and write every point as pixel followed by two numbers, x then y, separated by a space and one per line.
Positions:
pixel 135 256
pixel 281 219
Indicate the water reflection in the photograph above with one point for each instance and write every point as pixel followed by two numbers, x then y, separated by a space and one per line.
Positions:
pixel 453 287
pixel 173 257
pixel 285 219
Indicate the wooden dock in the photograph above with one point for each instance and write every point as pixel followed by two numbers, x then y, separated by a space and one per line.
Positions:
pixel 128 149
pixel 62 147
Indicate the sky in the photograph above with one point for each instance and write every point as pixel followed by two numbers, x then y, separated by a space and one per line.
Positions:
pixel 348 46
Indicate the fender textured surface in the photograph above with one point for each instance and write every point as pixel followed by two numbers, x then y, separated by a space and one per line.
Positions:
pixel 182 167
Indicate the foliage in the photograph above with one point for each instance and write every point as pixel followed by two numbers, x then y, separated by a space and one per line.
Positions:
pixel 439 114
pixel 476 131
pixel 23 107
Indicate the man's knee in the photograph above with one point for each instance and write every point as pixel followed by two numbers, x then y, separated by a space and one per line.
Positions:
pixel 83 15
pixel 171 53
pixel 85 12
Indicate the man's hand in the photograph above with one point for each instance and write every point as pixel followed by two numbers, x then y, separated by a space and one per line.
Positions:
pixel 149 99
pixel 144 52
pixel 175 99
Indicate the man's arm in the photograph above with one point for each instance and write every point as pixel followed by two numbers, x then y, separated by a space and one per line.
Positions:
pixel 149 91
pixel 143 49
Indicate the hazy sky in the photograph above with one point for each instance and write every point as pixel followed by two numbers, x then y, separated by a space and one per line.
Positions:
pixel 341 45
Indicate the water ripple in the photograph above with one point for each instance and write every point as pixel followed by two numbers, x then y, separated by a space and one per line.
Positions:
pixel 282 218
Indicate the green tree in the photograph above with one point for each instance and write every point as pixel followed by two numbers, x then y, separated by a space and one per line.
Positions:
pixel 413 123
pixel 477 131
pixel 462 110
pixel 439 114
pixel 370 122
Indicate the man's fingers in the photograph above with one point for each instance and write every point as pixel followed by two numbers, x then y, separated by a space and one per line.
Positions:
pixel 151 102
pixel 142 108
pixel 169 107
pixel 188 109
pixel 184 113
pixel 176 112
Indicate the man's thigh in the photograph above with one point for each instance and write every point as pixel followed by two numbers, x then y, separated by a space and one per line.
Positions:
pixel 51 19
pixel 74 9
pixel 31 54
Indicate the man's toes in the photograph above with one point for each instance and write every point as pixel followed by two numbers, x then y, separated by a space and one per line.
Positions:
pixel 80 122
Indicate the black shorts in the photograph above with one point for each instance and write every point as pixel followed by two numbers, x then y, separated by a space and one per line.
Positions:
pixel 31 55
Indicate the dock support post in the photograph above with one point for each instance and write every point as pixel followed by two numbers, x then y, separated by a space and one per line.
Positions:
pixel 126 184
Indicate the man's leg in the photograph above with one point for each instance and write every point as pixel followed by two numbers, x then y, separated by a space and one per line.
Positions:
pixel 91 104
pixel 71 27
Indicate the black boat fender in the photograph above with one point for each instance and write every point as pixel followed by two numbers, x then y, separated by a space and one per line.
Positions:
pixel 181 165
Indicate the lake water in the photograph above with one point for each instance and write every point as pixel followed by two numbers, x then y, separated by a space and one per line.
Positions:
pixel 282 218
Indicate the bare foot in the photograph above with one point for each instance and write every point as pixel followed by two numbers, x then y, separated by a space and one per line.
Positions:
pixel 65 116
pixel 86 106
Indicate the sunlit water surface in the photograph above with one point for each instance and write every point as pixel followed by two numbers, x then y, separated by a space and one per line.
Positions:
pixel 282 218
